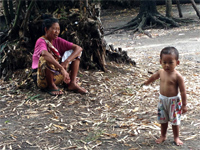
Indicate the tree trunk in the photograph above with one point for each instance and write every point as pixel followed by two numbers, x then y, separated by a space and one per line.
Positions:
pixel 11 10
pixel 6 12
pixel 195 8
pixel 168 8
pixel 86 3
pixel 147 18
pixel 94 56
pixel 25 21
pixel 179 8
pixel 16 17
pixel 147 6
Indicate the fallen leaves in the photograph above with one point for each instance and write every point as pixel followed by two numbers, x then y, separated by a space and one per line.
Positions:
pixel 118 113
pixel 117 110
pixel 111 135
pixel 191 137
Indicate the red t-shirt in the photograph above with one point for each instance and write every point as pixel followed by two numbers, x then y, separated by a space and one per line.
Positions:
pixel 59 43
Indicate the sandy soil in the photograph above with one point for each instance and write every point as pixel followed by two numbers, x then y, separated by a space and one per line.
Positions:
pixel 117 113
pixel 145 51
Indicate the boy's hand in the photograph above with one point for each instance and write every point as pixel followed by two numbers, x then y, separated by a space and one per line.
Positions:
pixel 184 109
pixel 144 83
pixel 65 65
pixel 66 77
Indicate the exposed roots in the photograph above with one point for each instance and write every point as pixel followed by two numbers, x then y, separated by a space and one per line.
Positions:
pixel 129 25
pixel 147 20
pixel 184 20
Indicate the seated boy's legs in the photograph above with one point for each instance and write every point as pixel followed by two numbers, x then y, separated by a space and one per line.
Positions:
pixel 73 86
pixel 48 79
pixel 51 83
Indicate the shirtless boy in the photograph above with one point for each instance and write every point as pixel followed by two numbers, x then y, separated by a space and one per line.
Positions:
pixel 170 106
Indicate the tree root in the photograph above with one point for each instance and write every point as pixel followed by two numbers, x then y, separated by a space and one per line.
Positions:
pixel 129 25
pixel 148 20
pixel 183 20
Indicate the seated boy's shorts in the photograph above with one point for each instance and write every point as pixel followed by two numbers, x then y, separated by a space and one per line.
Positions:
pixel 169 109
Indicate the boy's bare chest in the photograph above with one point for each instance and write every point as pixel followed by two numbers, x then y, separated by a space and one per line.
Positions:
pixel 168 79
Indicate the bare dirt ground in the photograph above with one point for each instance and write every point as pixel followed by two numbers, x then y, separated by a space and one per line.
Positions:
pixel 117 113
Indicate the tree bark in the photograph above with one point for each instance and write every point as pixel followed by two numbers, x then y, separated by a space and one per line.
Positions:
pixel 6 12
pixel 86 3
pixel 96 44
pixel 179 8
pixel 25 21
pixel 168 8
pixel 148 6
pixel 17 17
pixel 11 10
pixel 195 8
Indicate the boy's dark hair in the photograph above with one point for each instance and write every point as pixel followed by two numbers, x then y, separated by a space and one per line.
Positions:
pixel 170 50
pixel 48 23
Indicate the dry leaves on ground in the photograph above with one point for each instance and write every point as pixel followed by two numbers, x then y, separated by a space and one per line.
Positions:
pixel 117 113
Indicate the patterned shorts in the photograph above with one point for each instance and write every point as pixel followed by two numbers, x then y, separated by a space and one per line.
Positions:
pixel 169 109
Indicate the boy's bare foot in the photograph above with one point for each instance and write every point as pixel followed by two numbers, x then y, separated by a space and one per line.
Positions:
pixel 77 88
pixel 77 79
pixel 160 140
pixel 68 81
pixel 178 142
pixel 54 90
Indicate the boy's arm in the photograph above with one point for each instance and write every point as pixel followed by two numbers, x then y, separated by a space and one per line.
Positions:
pixel 183 93
pixel 153 78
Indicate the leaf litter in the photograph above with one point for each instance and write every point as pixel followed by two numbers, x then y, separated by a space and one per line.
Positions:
pixel 118 113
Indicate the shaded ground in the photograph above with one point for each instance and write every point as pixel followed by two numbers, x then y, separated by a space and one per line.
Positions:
pixel 117 113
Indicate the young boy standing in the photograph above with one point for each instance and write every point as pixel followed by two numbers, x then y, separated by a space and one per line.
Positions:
pixel 170 105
